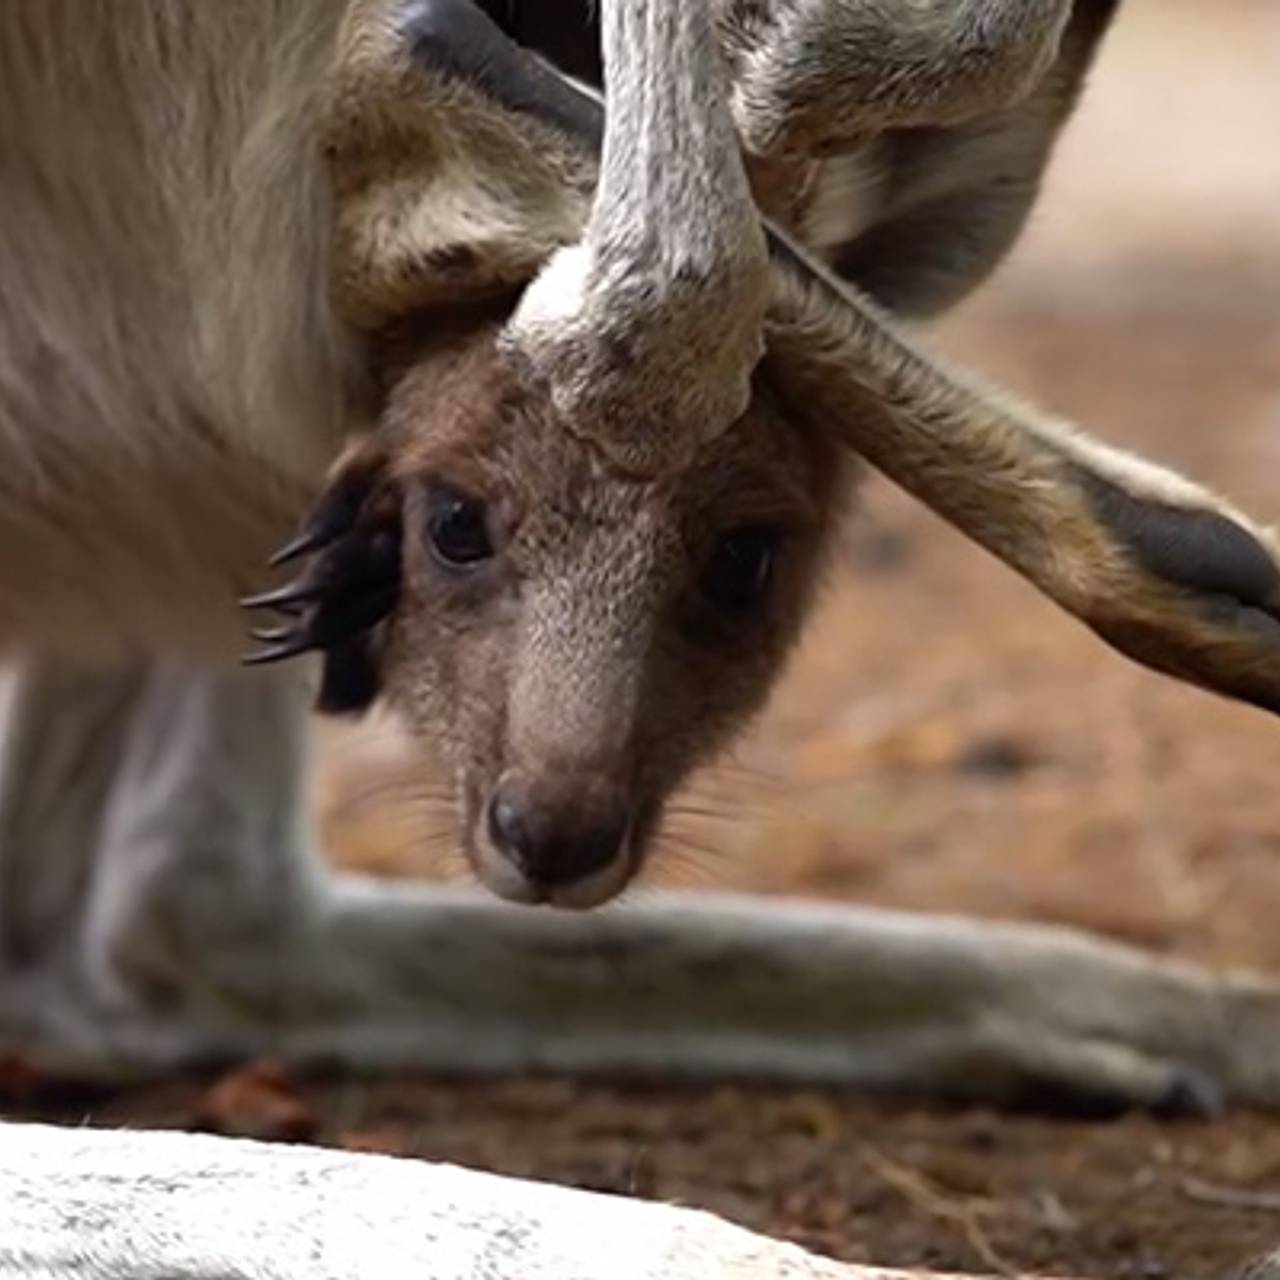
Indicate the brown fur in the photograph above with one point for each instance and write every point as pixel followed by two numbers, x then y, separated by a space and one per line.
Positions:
pixel 585 655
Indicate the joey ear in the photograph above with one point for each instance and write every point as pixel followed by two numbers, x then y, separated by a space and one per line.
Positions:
pixel 340 603
pixel 1160 568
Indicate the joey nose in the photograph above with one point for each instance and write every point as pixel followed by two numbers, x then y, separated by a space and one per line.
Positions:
pixel 551 845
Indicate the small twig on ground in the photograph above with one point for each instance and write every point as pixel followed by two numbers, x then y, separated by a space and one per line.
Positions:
pixel 1230 1197
pixel 918 1189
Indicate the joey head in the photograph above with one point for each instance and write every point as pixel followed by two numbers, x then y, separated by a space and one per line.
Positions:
pixel 568 639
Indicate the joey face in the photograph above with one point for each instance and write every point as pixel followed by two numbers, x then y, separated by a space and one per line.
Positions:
pixel 571 640
pixel 570 636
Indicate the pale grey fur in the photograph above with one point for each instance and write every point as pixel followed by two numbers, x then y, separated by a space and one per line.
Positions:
pixel 646 333
pixel 173 383
pixel 823 75
pixel 163 1206
pixel 620 326
pixel 85 1205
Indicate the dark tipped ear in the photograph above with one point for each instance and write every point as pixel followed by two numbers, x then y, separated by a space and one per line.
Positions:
pixel 1233 578
pixel 340 603
pixel 1196 549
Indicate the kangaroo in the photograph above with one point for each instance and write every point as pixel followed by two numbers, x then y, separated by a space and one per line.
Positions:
pixel 596 383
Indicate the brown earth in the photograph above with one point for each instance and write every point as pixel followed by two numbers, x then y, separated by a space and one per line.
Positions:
pixel 947 741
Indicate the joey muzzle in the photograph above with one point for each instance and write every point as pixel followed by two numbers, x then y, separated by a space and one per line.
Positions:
pixel 557 840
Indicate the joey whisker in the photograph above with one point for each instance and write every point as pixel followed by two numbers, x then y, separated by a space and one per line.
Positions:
pixel 727 814
pixel 379 802
pixel 730 770
pixel 681 841
pixel 412 854
pixel 683 866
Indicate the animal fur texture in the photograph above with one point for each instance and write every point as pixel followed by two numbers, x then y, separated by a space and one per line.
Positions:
pixel 144 1205
pixel 377 260
pixel 157 1206
pixel 249 239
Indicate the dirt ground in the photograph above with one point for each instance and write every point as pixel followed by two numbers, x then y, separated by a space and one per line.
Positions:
pixel 947 741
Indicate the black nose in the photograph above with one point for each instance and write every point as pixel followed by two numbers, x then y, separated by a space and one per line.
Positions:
pixel 553 846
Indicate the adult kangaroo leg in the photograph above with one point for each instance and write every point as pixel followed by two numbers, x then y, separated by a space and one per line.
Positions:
pixel 206 931
pixel 63 736
pixel 152 847
pixel 938 137
pixel 904 143
pixel 822 75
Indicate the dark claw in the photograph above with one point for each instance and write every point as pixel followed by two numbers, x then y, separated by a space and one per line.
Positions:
pixel 334 515
pixel 301 643
pixel 324 626
pixel 1191 1095
pixel 307 541
pixel 348 589
pixel 273 635
pixel 286 599
pixel 330 523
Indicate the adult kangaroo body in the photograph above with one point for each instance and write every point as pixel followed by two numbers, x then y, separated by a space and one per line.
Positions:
pixel 602 424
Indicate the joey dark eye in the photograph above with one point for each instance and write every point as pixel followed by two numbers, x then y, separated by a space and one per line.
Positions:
pixel 740 568
pixel 458 529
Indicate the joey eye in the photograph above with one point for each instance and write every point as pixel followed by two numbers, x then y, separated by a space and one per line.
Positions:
pixel 740 568
pixel 458 528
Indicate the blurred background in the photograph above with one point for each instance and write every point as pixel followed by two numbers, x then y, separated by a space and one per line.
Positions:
pixel 946 740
